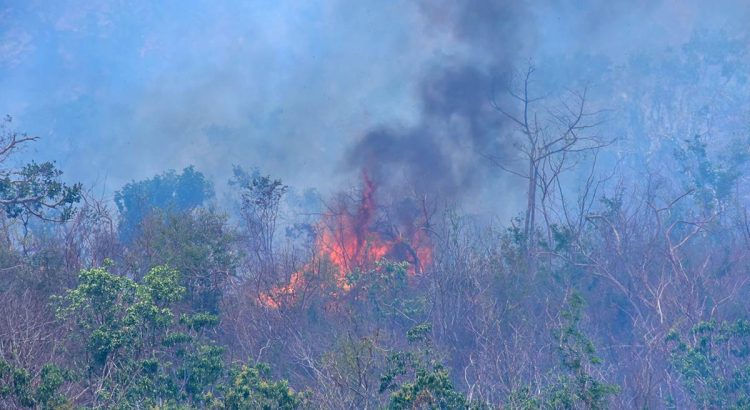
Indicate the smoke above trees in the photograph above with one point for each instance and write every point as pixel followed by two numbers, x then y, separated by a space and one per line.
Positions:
pixel 424 204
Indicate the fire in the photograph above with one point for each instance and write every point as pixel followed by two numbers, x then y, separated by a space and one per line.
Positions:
pixel 356 240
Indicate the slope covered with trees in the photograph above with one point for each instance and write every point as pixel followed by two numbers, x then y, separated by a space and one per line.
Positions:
pixel 622 282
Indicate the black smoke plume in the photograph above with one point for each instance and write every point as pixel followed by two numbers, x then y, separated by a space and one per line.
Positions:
pixel 444 154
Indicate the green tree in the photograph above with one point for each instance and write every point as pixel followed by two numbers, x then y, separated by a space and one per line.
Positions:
pixel 18 388
pixel 578 386
pixel 713 363
pixel 249 387
pixel 417 380
pixel 574 384
pixel 168 191
pixel 198 243
pixel 36 189
pixel 713 179
pixel 137 352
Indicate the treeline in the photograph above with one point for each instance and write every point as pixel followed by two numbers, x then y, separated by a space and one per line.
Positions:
pixel 637 300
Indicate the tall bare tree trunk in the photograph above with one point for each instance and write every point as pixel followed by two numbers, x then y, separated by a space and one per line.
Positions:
pixel 530 222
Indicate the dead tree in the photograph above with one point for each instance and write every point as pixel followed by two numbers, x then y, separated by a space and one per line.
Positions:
pixel 550 140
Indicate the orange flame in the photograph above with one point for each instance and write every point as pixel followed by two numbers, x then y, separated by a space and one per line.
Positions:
pixel 350 241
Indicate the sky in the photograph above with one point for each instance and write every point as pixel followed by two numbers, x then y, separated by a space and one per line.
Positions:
pixel 303 90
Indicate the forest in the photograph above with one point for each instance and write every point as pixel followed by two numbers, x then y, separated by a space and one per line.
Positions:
pixel 589 250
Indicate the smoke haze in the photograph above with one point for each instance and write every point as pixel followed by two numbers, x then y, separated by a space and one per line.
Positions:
pixel 309 92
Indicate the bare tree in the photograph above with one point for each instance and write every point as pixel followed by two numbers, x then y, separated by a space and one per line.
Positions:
pixel 550 140
pixel 261 198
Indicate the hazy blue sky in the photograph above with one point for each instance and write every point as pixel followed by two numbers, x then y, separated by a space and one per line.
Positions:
pixel 121 90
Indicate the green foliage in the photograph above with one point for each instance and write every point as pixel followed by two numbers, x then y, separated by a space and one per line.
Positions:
pixel 713 179
pixel 260 193
pixel 524 399
pixel 168 191
pixel 142 357
pixel 577 385
pixel 51 378
pixel 200 320
pixel 574 385
pixel 250 388
pixel 713 362
pixel 18 385
pixel 430 389
pixel 355 366
pixel 260 204
pixel 419 333
pixel 201 368
pixel 198 244
pixel 383 291
pixel 139 353
pixel 575 347
pixel 15 384
pixel 163 285
pixel 34 190
pixel 416 383
pixel 418 380
pixel 562 238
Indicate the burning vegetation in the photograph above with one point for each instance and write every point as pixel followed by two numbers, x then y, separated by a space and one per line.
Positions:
pixel 585 245
pixel 353 235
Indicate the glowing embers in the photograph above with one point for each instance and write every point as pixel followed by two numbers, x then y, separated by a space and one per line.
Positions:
pixel 353 237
